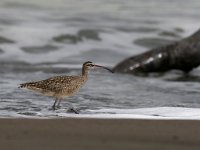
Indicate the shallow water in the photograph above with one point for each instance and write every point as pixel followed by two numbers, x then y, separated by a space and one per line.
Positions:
pixel 41 39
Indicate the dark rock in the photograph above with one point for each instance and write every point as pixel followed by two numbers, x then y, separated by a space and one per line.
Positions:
pixel 81 35
pixel 67 38
pixel 5 40
pixel 183 55
pixel 39 49
pixel 1 51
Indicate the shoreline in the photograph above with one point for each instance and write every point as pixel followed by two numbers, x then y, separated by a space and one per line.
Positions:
pixel 104 134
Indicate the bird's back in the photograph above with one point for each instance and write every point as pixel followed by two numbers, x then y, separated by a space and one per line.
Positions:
pixel 58 86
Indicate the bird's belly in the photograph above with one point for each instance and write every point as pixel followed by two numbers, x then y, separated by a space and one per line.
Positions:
pixel 42 91
pixel 68 92
pixel 49 93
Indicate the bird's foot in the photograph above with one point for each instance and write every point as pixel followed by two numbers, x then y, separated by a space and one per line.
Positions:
pixel 53 108
pixel 73 110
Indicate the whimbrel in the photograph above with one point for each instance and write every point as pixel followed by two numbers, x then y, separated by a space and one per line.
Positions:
pixel 62 86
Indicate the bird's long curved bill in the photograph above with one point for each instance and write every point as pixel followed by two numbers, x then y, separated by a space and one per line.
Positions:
pixel 104 68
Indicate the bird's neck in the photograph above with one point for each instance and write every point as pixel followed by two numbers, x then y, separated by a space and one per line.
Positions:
pixel 85 73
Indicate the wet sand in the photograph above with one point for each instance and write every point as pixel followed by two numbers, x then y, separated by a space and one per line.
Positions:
pixel 99 134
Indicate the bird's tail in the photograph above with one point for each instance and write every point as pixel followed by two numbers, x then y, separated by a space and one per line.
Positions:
pixel 25 85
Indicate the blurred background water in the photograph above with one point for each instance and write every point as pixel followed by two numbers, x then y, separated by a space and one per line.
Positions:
pixel 43 38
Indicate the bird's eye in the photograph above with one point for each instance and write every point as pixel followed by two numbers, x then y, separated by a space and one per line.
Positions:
pixel 89 65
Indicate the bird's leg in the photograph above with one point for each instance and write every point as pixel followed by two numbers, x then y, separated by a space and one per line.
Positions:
pixel 54 104
pixel 58 105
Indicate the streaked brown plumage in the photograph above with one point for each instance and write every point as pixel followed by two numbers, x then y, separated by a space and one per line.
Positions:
pixel 62 86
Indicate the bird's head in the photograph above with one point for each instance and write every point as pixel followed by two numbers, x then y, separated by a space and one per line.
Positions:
pixel 88 65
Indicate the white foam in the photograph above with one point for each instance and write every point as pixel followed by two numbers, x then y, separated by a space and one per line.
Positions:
pixel 166 113
pixel 151 113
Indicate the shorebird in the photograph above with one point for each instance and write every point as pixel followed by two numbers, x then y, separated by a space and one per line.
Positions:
pixel 62 86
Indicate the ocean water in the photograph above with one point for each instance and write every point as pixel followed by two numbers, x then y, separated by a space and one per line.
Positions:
pixel 43 38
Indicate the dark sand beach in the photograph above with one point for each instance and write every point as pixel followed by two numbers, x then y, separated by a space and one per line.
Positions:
pixel 99 134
